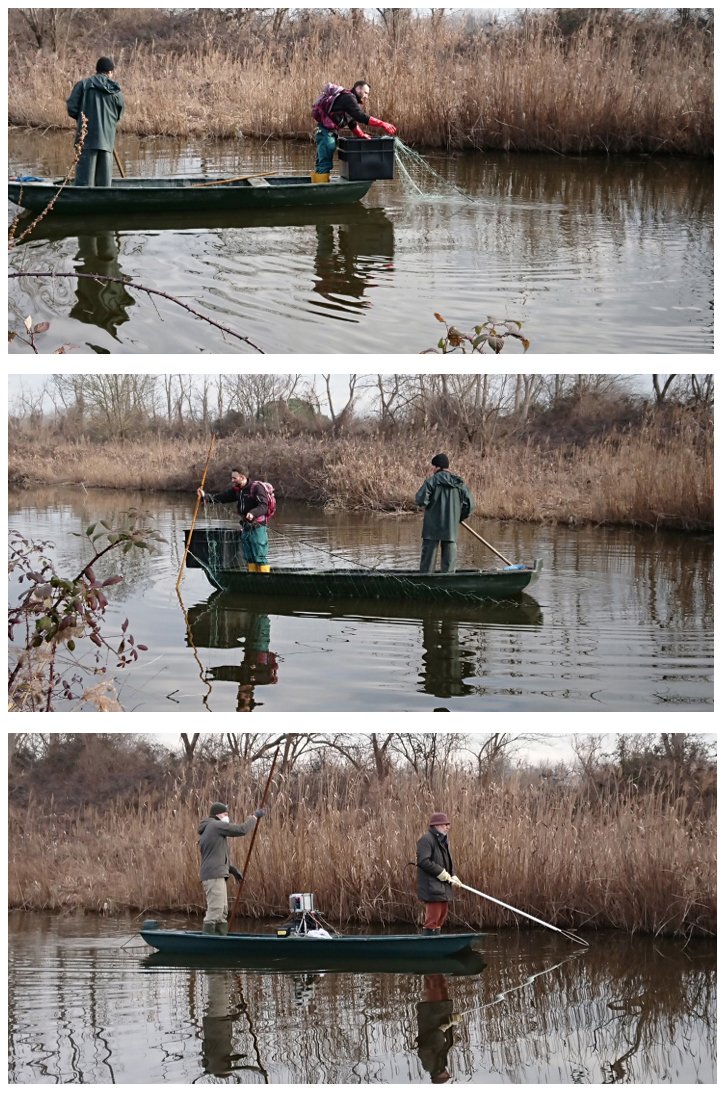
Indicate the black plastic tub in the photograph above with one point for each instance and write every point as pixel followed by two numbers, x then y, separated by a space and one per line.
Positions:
pixel 362 159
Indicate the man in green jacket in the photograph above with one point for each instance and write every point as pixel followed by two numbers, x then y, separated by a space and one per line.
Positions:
pixel 447 501
pixel 100 99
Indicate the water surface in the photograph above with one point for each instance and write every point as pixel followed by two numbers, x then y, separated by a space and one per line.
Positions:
pixel 90 1003
pixel 619 620
pixel 592 255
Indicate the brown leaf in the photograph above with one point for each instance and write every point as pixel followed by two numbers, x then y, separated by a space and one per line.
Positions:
pixel 42 327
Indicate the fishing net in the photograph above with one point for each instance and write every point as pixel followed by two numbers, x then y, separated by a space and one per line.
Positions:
pixel 421 180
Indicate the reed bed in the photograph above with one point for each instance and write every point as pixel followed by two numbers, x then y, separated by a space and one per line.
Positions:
pixel 602 90
pixel 636 863
pixel 654 476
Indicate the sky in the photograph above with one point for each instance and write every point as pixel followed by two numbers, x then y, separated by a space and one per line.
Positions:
pixel 550 747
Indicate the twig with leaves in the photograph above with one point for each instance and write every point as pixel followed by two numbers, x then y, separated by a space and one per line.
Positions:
pixel 55 611
pixel 12 242
pixel 134 286
pixel 492 334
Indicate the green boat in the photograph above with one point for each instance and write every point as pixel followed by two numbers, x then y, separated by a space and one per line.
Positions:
pixel 298 952
pixel 182 194
pixel 222 562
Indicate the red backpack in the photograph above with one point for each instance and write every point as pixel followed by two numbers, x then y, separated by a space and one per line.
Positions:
pixel 321 109
pixel 271 493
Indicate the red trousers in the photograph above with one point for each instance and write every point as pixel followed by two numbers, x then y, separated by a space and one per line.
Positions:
pixel 436 915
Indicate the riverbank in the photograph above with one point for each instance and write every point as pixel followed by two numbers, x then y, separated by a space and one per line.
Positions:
pixel 633 860
pixel 615 85
pixel 652 477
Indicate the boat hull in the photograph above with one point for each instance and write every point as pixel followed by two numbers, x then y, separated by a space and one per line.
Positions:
pixel 466 963
pixel 182 195
pixel 223 564
pixel 354 949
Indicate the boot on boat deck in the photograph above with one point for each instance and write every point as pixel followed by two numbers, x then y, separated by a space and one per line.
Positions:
pixel 221 928
pixel 209 928
pixel 426 931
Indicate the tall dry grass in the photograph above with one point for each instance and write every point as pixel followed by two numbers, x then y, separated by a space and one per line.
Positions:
pixel 658 476
pixel 641 863
pixel 602 90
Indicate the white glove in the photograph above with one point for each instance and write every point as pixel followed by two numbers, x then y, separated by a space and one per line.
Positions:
pixel 455 1020
pixel 444 876
pixel 454 881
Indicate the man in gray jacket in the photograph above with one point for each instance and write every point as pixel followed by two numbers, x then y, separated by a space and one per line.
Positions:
pixel 435 872
pixel 100 99
pixel 216 867
pixel 446 501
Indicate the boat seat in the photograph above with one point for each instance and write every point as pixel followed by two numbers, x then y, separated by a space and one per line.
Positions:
pixel 259 182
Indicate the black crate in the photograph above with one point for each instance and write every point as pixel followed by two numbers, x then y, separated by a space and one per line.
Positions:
pixel 362 159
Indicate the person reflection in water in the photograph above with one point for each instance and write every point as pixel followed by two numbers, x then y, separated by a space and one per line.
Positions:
pixel 218 1054
pixel 352 258
pixel 446 665
pixel 436 1020
pixel 259 666
pixel 103 304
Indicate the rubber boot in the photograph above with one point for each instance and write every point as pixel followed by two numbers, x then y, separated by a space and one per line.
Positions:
pixel 252 567
pixel 427 932
pixel 320 177
pixel 222 928
pixel 209 928
pixel 263 568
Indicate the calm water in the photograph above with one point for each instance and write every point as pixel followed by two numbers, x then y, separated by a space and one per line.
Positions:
pixel 592 255
pixel 89 1003
pixel 620 620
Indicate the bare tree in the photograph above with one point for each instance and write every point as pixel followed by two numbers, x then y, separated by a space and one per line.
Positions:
pixel 342 419
pixel 50 26
pixel 189 745
pixel 661 388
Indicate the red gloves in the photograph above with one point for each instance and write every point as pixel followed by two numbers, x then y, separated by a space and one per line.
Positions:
pixel 386 126
pixel 358 132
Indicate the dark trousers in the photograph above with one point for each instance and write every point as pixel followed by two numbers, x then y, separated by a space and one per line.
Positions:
pixel 94 169
pixel 428 555
pixel 436 914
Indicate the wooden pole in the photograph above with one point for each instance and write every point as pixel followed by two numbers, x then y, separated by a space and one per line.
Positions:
pixel 237 179
pixel 195 515
pixel 117 161
pixel 486 543
pixel 253 839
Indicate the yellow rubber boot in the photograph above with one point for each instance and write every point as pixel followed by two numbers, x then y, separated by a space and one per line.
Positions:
pixel 252 567
pixel 263 567
pixel 320 177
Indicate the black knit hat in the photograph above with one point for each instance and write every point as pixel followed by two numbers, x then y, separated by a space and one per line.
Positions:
pixel 440 461
pixel 217 808
pixel 105 64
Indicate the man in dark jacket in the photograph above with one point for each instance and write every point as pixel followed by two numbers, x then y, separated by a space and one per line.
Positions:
pixel 216 866
pixel 447 501
pixel 435 872
pixel 100 99
pixel 345 110
pixel 251 500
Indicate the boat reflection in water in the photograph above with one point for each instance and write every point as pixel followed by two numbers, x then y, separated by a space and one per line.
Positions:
pixel 448 662
pixel 354 251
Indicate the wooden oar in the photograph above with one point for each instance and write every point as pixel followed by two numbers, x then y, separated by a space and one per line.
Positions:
pixel 253 839
pixel 486 543
pixel 195 515
pixel 238 178
pixel 117 161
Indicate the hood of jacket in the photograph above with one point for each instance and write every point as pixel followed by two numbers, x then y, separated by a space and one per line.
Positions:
pixel 445 477
pixel 204 824
pixel 101 82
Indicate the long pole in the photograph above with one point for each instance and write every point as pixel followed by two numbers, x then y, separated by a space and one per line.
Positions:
pixel 486 543
pixel 236 179
pixel 253 839
pixel 195 515
pixel 117 161
pixel 516 910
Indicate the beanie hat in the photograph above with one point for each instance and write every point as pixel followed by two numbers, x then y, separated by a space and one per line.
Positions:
pixel 217 808
pixel 105 64
pixel 439 818
pixel 440 461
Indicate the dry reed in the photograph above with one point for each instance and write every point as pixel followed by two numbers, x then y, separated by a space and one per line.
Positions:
pixel 642 863
pixel 599 91
pixel 653 477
